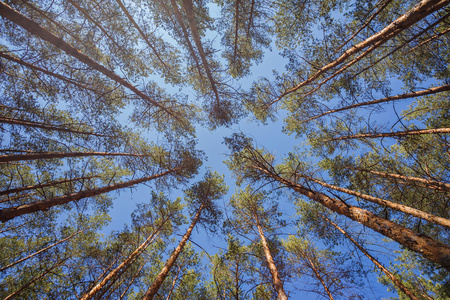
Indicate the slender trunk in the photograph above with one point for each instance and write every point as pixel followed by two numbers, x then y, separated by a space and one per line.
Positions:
pixel 126 263
pixel 399 207
pixel 417 13
pixel 132 21
pixel 38 186
pixel 430 39
pixel 250 18
pixel 12 212
pixel 105 32
pixel 236 27
pixel 52 155
pixel 42 250
pixel 47 72
pixel 174 281
pixel 428 183
pixel 390 134
pixel 391 276
pixel 134 278
pixel 370 19
pixel 425 246
pixel 179 18
pixel 316 272
pixel 26 123
pixel 276 280
pixel 26 285
pixel 153 289
pixel 188 8
pixel 429 91
pixel 14 16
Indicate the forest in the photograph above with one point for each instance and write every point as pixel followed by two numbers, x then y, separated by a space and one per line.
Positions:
pixel 211 149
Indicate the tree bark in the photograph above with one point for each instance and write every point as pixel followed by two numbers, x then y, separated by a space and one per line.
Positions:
pixel 14 16
pixel 399 207
pixel 125 264
pixel 418 12
pixel 7 214
pixel 131 19
pixel 433 90
pixel 428 183
pixel 276 280
pixel 26 123
pixel 391 134
pixel 391 276
pixel 40 251
pixel 153 289
pixel 187 5
pixel 419 243
pixel 38 186
pixel 52 155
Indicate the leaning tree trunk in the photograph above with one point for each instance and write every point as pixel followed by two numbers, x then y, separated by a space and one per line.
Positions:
pixel 14 16
pixel 398 207
pixel 419 243
pixel 52 155
pixel 125 264
pixel 391 276
pixel 432 184
pixel 12 212
pixel 276 280
pixel 417 13
pixel 390 134
pixel 153 289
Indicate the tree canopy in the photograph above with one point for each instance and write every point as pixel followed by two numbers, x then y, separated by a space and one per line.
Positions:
pixel 279 149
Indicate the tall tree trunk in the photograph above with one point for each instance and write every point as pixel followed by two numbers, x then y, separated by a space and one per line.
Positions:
pixel 319 277
pixel 12 212
pixel 131 19
pixel 391 134
pixel 47 72
pixel 52 155
pixel 126 263
pixel 38 186
pixel 276 280
pixel 433 90
pixel 14 16
pixel 417 13
pixel 391 276
pixel 40 251
pixel 188 8
pixel 33 280
pixel 153 289
pixel 432 184
pixel 425 246
pixel 399 207
pixel 26 123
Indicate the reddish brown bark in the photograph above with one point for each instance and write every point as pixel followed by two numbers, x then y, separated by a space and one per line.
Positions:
pixel 188 8
pixel 51 155
pixel 399 207
pixel 391 276
pixel 433 90
pixel 391 134
pixel 40 251
pixel 38 186
pixel 419 243
pixel 131 19
pixel 125 264
pixel 37 68
pixel 12 212
pixel 432 184
pixel 420 11
pixel 26 123
pixel 14 16
pixel 276 280
pixel 153 289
